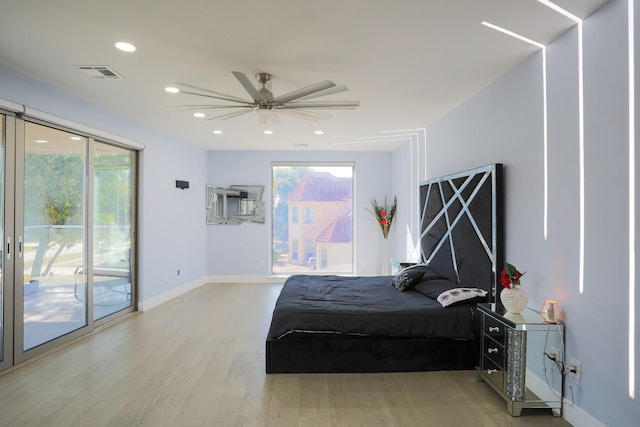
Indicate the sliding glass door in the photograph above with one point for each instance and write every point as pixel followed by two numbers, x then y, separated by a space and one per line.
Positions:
pixel 67 214
pixel 52 244
pixel 112 231
pixel 3 359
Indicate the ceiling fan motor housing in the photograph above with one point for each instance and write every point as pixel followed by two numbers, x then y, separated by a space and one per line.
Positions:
pixel 266 94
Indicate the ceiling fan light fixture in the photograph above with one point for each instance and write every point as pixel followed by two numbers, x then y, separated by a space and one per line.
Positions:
pixel 217 132
pixel 198 115
pixel 268 132
pixel 171 89
pixel 319 132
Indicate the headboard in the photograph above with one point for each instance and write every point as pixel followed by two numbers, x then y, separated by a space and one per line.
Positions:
pixel 461 226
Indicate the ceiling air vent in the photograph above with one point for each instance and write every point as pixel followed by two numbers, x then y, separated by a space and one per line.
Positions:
pixel 99 72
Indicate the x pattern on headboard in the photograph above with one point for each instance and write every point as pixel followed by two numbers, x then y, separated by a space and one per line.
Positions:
pixel 461 229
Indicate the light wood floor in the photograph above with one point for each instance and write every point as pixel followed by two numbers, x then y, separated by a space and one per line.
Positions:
pixel 198 360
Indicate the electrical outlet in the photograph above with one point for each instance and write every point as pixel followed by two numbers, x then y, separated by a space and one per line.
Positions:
pixel 575 368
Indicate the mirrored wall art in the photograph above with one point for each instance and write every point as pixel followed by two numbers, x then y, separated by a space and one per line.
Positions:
pixel 235 204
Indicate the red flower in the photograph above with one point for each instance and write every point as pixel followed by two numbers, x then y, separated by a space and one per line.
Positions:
pixel 505 280
pixel 510 276
pixel 383 213
pixel 383 222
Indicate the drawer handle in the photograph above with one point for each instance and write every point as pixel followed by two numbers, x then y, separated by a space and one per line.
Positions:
pixel 494 329
pixel 491 371
pixel 492 350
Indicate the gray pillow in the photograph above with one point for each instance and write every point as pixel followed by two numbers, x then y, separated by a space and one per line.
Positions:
pixel 409 276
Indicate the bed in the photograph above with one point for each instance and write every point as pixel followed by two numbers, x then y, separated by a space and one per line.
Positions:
pixel 423 318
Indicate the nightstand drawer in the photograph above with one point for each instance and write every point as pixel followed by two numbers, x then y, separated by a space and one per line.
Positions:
pixel 493 351
pixel 493 372
pixel 495 329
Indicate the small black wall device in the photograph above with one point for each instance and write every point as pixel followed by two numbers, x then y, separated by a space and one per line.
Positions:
pixel 182 184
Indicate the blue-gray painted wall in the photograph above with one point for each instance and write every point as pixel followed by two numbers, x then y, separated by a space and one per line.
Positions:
pixel 502 123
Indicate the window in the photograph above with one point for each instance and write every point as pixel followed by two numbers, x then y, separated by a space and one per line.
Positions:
pixel 308 215
pixel 323 194
pixel 309 249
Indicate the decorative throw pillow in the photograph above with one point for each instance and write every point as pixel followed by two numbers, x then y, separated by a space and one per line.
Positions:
pixel 448 292
pixel 459 295
pixel 409 276
pixel 433 287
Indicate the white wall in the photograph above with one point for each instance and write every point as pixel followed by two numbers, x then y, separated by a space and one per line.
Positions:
pixel 407 164
pixel 241 252
pixel 504 123
pixel 171 232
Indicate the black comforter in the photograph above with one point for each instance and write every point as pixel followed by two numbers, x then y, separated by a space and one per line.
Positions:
pixel 363 305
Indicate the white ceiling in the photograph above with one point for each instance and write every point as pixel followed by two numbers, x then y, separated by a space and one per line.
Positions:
pixel 408 62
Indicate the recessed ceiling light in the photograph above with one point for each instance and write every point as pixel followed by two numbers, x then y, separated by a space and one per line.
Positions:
pixel 217 132
pixel 41 141
pixel 125 47
pixel 198 115
pixel 319 132
pixel 268 132
pixel 172 89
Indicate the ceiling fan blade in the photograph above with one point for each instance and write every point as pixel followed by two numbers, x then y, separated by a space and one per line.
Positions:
pixel 215 97
pixel 218 95
pixel 305 91
pixel 248 86
pixel 303 114
pixel 202 107
pixel 330 91
pixel 231 115
pixel 322 104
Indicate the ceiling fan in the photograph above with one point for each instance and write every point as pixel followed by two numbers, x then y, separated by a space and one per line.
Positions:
pixel 295 102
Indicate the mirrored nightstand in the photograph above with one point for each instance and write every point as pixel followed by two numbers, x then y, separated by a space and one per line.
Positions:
pixel 516 358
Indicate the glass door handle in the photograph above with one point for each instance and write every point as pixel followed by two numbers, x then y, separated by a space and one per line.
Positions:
pixel 19 246
pixel 8 248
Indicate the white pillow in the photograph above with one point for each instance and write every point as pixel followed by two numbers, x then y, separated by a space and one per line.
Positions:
pixel 455 295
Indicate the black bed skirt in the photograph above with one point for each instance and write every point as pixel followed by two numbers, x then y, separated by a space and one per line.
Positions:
pixel 325 355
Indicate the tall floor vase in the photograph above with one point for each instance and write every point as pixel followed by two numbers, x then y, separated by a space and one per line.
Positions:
pixel 385 257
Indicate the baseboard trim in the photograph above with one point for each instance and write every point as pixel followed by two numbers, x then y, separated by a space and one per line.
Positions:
pixel 168 296
pixel 577 417
pixel 573 414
